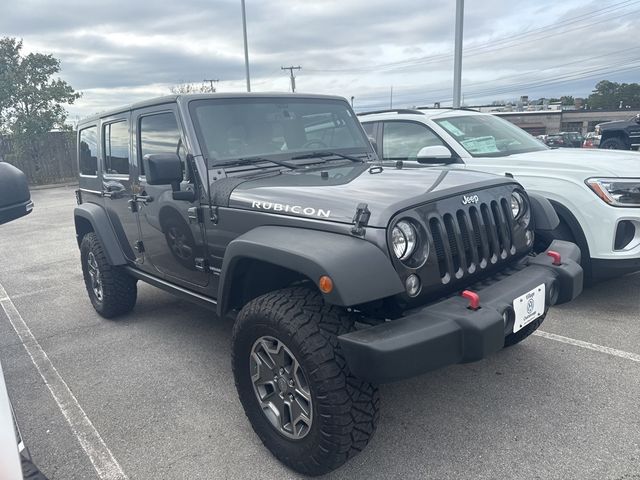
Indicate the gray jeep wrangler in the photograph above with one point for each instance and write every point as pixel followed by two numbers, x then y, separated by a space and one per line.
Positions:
pixel 342 273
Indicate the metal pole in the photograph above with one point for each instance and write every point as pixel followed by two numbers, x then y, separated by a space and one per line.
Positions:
pixel 246 47
pixel 391 98
pixel 457 62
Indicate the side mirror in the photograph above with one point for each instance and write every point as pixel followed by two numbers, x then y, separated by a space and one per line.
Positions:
pixel 15 198
pixel 163 169
pixel 434 152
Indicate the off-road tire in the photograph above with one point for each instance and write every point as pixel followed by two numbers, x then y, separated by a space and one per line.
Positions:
pixel 520 335
pixel 345 409
pixel 119 289
pixel 614 143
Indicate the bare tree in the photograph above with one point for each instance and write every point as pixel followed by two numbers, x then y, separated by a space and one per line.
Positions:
pixel 190 87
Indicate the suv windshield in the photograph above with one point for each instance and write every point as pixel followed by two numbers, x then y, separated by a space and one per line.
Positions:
pixel 241 128
pixel 489 136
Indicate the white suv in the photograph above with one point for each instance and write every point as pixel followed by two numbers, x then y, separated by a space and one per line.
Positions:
pixel 596 193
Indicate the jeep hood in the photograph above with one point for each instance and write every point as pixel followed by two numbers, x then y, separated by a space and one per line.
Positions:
pixel 334 193
pixel 588 162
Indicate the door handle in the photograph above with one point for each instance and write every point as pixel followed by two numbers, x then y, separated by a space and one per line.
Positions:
pixel 113 189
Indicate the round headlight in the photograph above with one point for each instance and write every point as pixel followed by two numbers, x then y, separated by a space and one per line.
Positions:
pixel 403 239
pixel 516 204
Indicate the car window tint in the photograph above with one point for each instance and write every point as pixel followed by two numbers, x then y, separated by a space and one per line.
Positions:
pixel 403 140
pixel 88 151
pixel 159 133
pixel 116 148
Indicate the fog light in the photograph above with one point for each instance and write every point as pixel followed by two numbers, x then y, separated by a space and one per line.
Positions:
pixel 528 236
pixel 412 285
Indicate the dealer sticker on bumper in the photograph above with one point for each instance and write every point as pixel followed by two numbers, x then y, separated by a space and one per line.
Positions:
pixel 528 307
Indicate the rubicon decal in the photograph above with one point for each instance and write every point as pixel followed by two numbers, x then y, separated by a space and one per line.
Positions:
pixel 467 199
pixel 286 208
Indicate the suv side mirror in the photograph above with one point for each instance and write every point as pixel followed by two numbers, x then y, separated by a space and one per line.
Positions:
pixel 163 169
pixel 15 198
pixel 434 152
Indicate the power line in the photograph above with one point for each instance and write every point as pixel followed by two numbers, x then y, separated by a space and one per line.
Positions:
pixel 610 13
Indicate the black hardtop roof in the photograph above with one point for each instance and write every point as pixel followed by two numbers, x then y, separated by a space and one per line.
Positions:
pixel 197 96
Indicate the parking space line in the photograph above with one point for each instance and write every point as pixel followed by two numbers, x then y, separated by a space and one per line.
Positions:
pixel 634 357
pixel 90 440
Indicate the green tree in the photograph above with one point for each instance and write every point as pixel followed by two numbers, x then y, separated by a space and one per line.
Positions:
pixel 608 95
pixel 31 100
pixel 567 100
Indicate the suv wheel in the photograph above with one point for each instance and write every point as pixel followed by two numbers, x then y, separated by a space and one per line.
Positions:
pixel 112 291
pixel 294 384
pixel 614 144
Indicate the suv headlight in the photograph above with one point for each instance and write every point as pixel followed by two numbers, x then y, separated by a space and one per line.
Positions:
pixel 520 209
pixel 403 239
pixel 619 192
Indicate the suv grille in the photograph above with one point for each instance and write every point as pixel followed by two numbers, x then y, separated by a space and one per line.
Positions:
pixel 472 238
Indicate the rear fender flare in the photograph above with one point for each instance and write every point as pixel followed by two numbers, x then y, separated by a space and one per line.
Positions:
pixel 97 217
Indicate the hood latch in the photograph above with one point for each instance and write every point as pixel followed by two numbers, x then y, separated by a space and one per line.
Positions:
pixel 361 219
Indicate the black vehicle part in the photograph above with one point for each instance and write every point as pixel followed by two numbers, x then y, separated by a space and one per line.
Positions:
pixel 15 199
pixel 344 408
pixel 449 332
pixel 544 216
pixel 360 271
pixel 90 217
pixel 111 289
pixel 614 143
pixel 29 470
pixel 570 230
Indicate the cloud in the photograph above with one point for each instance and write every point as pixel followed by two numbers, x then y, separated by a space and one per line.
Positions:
pixel 123 51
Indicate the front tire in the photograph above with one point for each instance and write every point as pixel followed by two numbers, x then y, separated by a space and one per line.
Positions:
pixel 112 291
pixel 294 330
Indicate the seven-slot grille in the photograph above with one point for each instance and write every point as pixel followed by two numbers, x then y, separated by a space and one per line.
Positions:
pixel 472 238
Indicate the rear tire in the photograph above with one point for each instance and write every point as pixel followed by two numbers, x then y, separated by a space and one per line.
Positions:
pixel 111 289
pixel 614 143
pixel 343 409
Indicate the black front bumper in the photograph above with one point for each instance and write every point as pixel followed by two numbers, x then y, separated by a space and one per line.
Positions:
pixel 449 332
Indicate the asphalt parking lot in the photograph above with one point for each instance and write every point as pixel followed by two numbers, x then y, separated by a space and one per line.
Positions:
pixel 157 389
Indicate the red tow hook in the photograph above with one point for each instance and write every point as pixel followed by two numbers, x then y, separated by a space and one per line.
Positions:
pixel 474 299
pixel 557 260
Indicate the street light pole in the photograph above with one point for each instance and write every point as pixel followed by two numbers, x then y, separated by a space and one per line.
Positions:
pixel 246 47
pixel 457 62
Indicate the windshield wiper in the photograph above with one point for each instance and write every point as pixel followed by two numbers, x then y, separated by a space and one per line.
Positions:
pixel 325 153
pixel 252 160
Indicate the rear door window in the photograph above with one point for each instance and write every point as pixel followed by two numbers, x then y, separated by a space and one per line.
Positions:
pixel 116 148
pixel 88 151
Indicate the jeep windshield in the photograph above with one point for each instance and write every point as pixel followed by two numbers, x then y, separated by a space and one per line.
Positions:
pixel 489 136
pixel 276 128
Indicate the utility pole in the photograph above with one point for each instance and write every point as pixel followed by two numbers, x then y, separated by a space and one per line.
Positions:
pixel 246 47
pixel 293 78
pixel 211 82
pixel 457 62
pixel 391 98
pixel 352 98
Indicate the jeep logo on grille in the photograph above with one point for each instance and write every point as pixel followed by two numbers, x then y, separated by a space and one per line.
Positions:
pixel 467 199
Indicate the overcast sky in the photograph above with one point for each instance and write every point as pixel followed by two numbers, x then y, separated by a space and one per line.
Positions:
pixel 116 52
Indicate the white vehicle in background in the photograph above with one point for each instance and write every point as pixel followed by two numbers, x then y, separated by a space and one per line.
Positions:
pixel 596 193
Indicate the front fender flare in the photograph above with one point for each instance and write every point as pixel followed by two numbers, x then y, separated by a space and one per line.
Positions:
pixel 99 220
pixel 360 271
